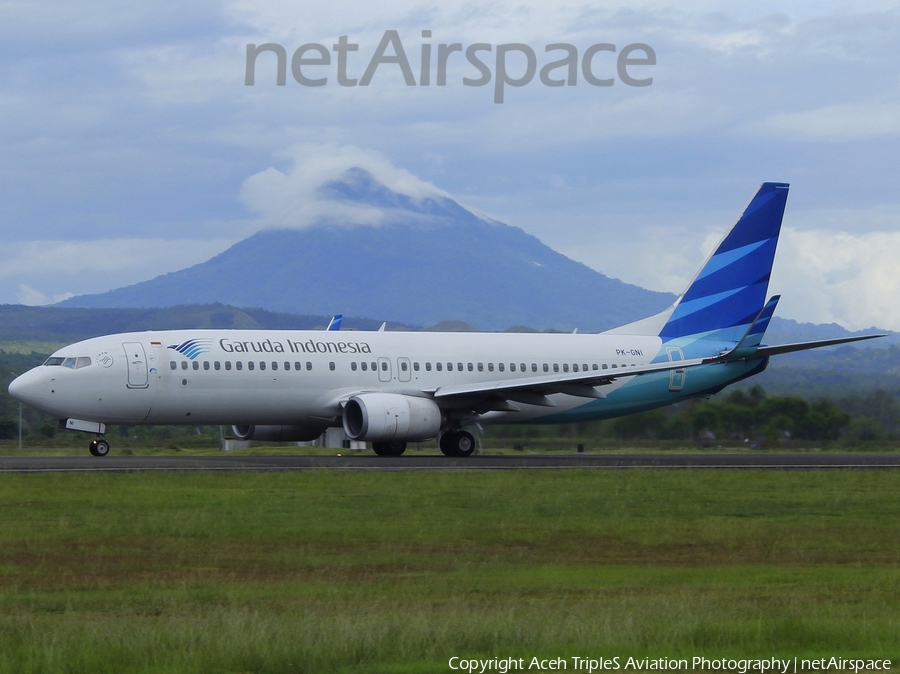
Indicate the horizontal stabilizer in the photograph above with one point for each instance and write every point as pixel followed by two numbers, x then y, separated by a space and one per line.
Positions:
pixel 766 351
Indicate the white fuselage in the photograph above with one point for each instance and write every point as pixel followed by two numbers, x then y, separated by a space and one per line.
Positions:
pixel 295 377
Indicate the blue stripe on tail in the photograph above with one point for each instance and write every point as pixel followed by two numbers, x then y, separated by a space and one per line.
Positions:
pixel 728 294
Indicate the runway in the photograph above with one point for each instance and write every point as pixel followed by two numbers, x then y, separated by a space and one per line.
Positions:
pixel 258 463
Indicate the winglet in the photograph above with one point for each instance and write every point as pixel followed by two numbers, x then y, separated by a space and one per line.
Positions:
pixel 754 335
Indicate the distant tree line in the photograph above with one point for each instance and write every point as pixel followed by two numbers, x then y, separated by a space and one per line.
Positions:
pixel 746 418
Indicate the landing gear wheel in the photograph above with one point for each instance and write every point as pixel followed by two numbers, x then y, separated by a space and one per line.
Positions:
pixel 457 443
pixel 99 447
pixel 395 448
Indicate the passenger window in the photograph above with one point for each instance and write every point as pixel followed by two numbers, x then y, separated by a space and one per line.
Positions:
pixel 416 367
pixel 404 366
pixel 584 367
pixel 490 367
pixel 250 365
pixel 556 367
pixel 308 366
pixel 565 367
pixel 173 365
pixel 575 367
pixel 481 367
pixel 353 366
pixel 534 367
pixel 594 366
pixel 383 366
pixel 287 365
pixel 459 367
pixel 364 366
pixel 262 365
pixel 512 367
pixel 331 366
pixel 605 366
pixel 614 365
pixel 227 364
pixel 500 366
pixel 521 367
pixel 205 364
pixel 184 365
pixel 238 365
pixel 449 367
pixel 374 367
pixel 195 365
pixel 83 361
pixel 297 365
pixel 438 366
pixel 546 367
pixel 428 367
pixel 217 365
pixel 470 367
pixel 274 365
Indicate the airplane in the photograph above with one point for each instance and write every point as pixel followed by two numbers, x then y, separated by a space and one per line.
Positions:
pixel 391 388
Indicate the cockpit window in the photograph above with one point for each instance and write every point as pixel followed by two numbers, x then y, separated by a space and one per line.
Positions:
pixel 71 363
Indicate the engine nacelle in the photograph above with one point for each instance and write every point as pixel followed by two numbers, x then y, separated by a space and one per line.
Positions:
pixel 391 416
pixel 290 433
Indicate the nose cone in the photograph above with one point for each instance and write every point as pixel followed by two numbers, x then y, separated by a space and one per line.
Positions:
pixel 28 387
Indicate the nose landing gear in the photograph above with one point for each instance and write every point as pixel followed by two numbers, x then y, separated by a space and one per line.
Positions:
pixel 99 447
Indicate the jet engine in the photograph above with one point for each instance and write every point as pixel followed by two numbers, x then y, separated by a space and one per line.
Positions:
pixel 391 416
pixel 290 433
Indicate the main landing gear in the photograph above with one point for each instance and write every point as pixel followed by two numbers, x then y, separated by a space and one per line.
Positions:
pixel 389 448
pixel 99 447
pixel 457 443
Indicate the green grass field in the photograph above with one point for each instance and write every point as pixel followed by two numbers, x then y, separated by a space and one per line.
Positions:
pixel 397 572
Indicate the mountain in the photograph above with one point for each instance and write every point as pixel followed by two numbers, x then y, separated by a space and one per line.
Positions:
pixel 428 260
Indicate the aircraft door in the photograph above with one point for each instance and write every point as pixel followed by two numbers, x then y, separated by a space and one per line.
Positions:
pixel 384 369
pixel 137 365
pixel 404 370
pixel 676 377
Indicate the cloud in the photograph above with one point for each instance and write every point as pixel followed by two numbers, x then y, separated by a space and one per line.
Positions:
pixel 294 198
pixel 43 272
pixel 34 298
pixel 839 123
pixel 823 276
pixel 849 279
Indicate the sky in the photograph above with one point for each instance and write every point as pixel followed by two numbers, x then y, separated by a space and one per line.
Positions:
pixel 132 146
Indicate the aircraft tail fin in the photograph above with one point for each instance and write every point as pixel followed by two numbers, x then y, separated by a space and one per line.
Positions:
pixel 726 299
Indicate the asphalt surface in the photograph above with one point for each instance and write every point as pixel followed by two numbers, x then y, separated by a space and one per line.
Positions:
pixel 236 462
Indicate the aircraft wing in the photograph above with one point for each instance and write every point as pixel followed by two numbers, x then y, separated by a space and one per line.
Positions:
pixel 533 390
